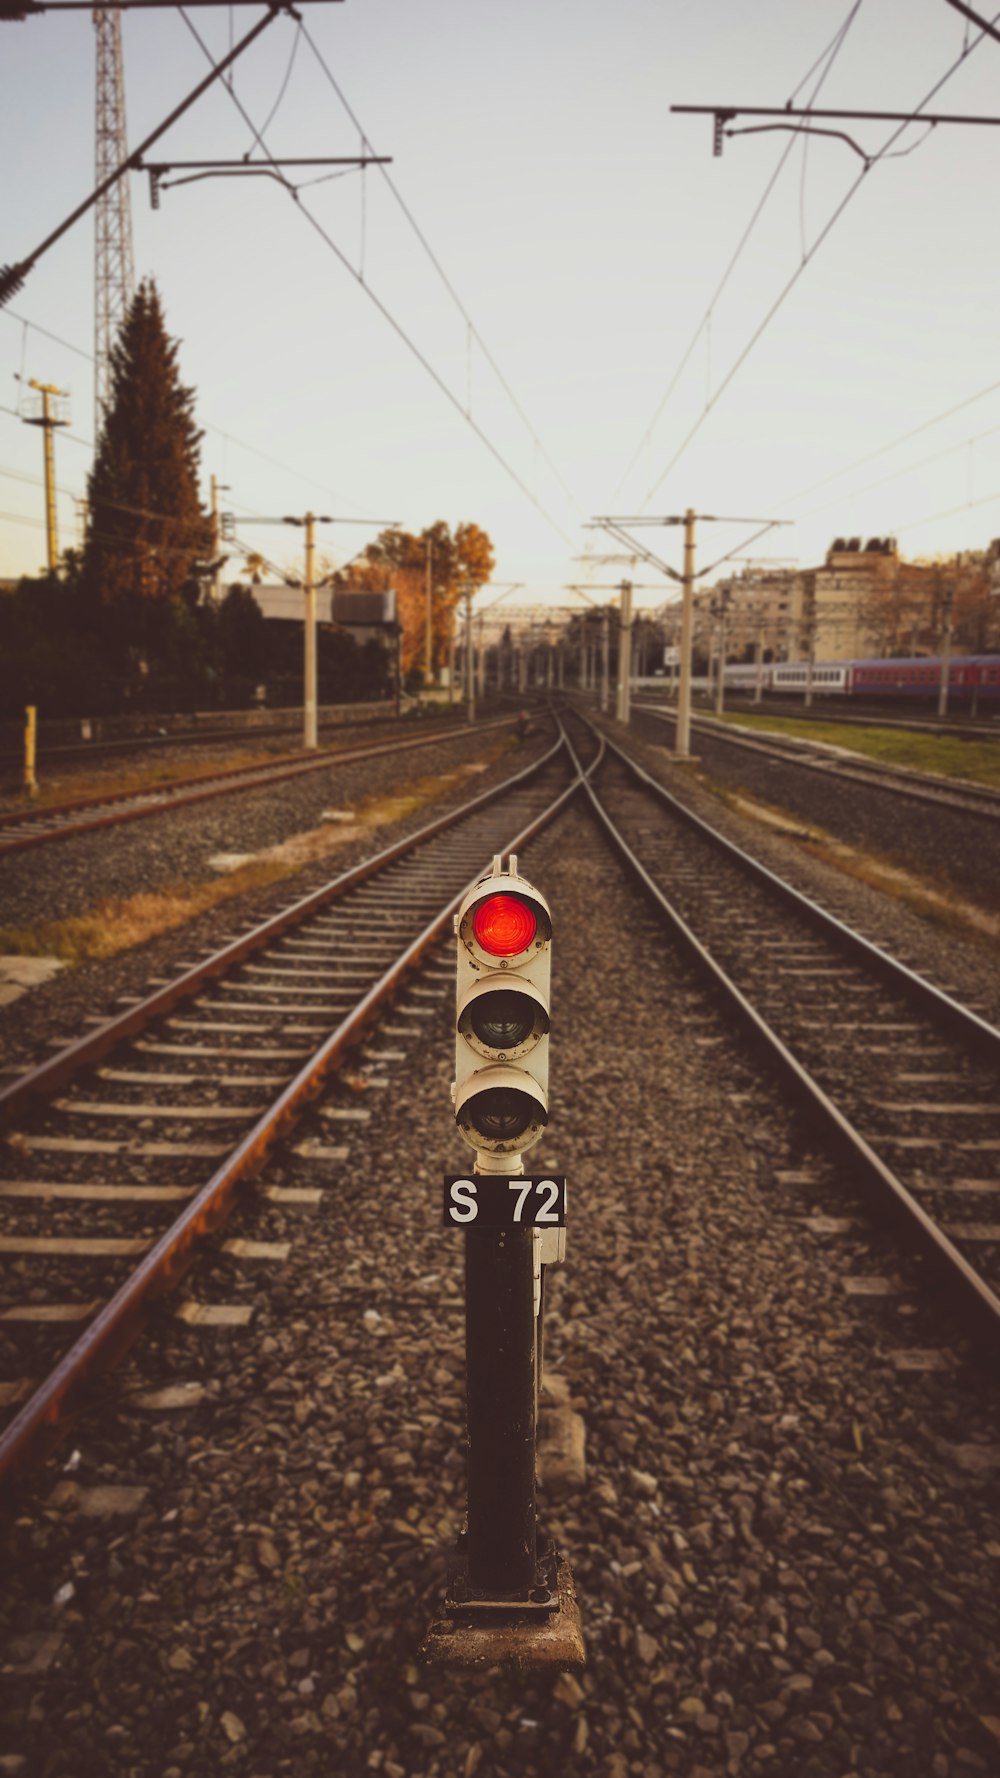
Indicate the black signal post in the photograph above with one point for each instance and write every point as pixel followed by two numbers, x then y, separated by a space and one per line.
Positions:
pixel 500 1410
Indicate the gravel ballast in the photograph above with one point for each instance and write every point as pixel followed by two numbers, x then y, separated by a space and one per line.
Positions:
pixel 67 877
pixel 785 1549
pixel 956 849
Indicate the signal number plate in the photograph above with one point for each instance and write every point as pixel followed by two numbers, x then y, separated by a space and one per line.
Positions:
pixel 491 1201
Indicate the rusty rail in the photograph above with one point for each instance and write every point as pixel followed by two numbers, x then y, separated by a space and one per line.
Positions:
pixel 298 765
pixel 44 1418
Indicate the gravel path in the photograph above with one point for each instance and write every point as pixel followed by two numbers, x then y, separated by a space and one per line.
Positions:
pixel 957 851
pixel 784 1548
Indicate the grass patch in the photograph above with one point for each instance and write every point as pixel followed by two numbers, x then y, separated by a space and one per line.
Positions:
pixel 976 761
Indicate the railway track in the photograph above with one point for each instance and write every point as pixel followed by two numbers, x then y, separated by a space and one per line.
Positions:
pixel 958 728
pixel 38 827
pixel 149 735
pixel 830 762
pixel 898 1080
pixel 124 1151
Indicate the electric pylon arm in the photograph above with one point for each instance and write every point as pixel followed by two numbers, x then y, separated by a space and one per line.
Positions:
pixel 241 169
pixel 801 121
pixel 12 276
pixel 16 11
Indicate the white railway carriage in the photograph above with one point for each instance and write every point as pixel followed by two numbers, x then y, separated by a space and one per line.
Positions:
pixel 827 677
pixel 743 677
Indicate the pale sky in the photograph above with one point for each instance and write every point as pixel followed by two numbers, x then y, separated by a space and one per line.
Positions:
pixel 585 230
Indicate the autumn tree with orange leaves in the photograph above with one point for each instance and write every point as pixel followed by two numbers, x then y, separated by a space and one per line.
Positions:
pixel 404 561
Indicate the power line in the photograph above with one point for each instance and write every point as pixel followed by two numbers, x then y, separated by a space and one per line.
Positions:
pixel 385 312
pixel 813 250
pixel 227 437
pixel 442 274
pixel 903 438
pixel 12 276
pixel 964 506
pixel 835 46
pixel 907 469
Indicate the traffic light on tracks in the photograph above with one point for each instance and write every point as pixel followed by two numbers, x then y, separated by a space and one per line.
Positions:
pixel 504 932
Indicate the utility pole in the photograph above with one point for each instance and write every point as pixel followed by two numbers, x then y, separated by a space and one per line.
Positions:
pixel 607 587
pixel 217 487
pixel 720 684
pixel 623 699
pixel 310 733
pixel 811 620
pixel 682 732
pixel 947 627
pixel 470 683
pixel 48 419
pixel 616 528
pixel 429 628
pixel 481 662
pixel 308 523
pixel 758 655
pixel 114 272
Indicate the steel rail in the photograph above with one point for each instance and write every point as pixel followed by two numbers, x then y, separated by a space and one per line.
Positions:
pixel 50 750
pixel 163 801
pixel 966 797
pixel 52 1075
pixel 982 1036
pixel 43 1420
pixel 979 1303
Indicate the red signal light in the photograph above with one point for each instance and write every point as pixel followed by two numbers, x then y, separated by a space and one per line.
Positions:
pixel 504 925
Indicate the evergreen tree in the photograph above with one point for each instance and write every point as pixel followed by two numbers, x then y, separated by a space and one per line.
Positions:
pixel 147 531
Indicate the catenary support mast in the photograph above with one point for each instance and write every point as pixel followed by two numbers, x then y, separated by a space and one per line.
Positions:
pixel 114 269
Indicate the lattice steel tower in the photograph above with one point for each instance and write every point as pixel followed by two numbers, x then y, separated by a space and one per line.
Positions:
pixel 113 266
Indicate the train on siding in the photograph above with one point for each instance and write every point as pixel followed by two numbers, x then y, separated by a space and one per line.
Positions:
pixel 971 678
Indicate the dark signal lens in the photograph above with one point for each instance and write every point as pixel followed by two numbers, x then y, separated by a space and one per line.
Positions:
pixel 503 1113
pixel 504 925
pixel 503 1020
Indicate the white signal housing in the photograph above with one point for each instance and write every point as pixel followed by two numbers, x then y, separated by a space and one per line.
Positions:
pixel 504 932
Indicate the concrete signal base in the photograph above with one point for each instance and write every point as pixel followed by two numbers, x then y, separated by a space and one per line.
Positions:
pixel 553 1643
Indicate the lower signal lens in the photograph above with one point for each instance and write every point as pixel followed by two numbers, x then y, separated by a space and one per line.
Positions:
pixel 503 1020
pixel 503 1114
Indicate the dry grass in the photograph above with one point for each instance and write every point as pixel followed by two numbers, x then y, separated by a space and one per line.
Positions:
pixel 118 924
pixel 933 899
pixel 112 778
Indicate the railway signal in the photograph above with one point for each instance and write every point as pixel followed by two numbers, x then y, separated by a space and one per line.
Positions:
pixel 504 933
pixel 511 1593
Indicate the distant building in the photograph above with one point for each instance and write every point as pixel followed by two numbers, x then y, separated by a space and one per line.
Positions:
pixel 861 600
pixel 365 614
pixel 280 601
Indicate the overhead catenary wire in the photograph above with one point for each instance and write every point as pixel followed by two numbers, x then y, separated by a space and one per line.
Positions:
pixel 785 292
pixel 226 436
pixel 387 314
pixel 961 444
pixel 832 51
pixel 442 274
pixel 894 443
